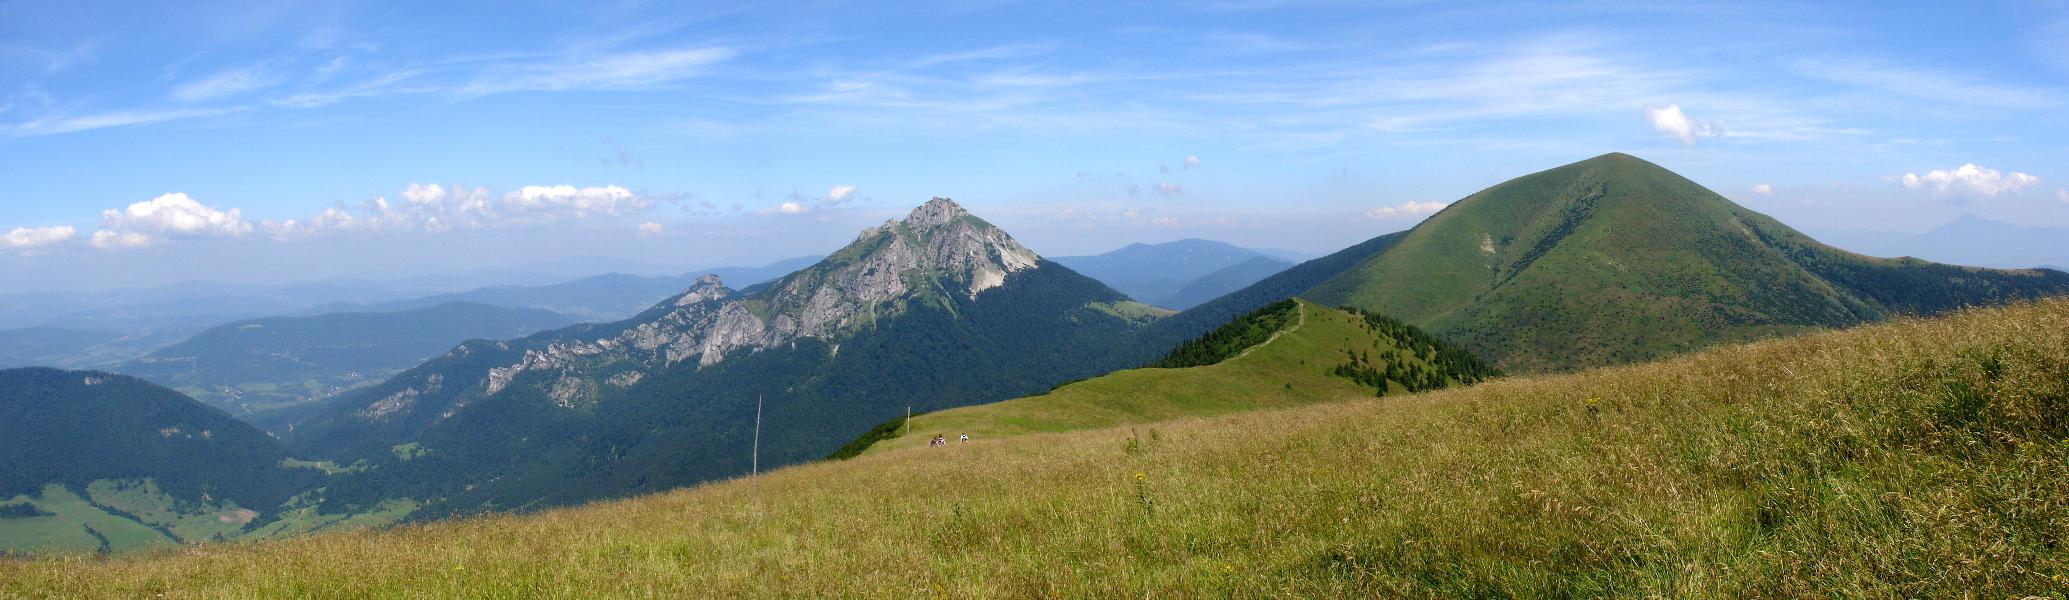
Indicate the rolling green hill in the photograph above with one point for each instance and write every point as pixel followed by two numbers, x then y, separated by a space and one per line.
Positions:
pixel 101 461
pixel 1290 353
pixel 1613 260
pixel 275 371
pixel 1919 458
pixel 1168 332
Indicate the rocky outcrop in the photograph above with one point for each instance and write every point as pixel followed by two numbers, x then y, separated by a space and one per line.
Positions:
pixel 938 248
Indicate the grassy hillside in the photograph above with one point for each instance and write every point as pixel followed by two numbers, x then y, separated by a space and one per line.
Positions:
pixel 1909 459
pixel 109 462
pixel 1286 366
pixel 1616 260
pixel 1170 331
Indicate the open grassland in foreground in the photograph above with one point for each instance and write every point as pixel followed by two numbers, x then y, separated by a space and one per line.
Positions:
pixel 1913 459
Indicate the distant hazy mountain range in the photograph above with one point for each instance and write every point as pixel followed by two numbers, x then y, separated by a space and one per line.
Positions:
pixel 1177 275
pixel 274 371
pixel 594 299
pixel 101 329
pixel 1969 240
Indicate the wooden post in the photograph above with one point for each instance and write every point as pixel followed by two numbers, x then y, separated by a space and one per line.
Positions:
pixel 755 467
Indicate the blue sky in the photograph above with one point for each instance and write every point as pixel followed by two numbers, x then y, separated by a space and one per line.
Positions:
pixel 380 140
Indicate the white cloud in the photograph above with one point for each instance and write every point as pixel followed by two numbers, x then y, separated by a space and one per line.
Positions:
pixel 29 239
pixel 2062 194
pixel 424 194
pixel 1763 189
pixel 1968 179
pixel 1165 222
pixel 839 194
pixel 1953 87
pixel 1405 209
pixel 791 208
pixel 57 124
pixel 1167 188
pixel 649 229
pixel 607 72
pixel 1675 124
pixel 436 208
pixel 108 240
pixel 1192 161
pixel 223 84
pixel 558 200
pixel 174 215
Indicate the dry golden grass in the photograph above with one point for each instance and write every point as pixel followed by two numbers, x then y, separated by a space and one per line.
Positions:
pixel 1913 459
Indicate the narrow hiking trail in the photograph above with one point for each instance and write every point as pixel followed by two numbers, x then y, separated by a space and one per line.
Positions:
pixel 1301 312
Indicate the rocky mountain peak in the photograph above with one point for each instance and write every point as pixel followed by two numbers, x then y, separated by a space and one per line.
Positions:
pixel 707 287
pixel 939 244
pixel 937 212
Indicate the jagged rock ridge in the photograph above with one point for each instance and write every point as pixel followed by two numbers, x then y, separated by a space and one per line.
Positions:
pixel 938 244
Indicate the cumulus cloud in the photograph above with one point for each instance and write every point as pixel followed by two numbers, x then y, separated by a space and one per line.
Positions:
pixel 109 240
pixel 1671 121
pixel 1967 179
pixel 790 208
pixel 1165 222
pixel 1192 161
pixel 30 239
pixel 436 208
pixel 1405 209
pixel 839 194
pixel 1167 188
pixel 1763 189
pixel 563 200
pixel 649 229
pixel 169 215
pixel 424 194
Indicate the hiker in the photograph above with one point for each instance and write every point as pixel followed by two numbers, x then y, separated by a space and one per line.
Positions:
pixel 966 437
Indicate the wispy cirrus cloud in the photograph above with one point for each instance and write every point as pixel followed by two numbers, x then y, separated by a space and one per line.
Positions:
pixel 53 124
pixel 588 71
pixel 610 71
pixel 226 83
pixel 1924 83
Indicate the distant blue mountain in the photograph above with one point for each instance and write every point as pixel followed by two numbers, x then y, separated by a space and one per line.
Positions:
pixel 601 298
pixel 1969 240
pixel 1157 274
pixel 270 371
